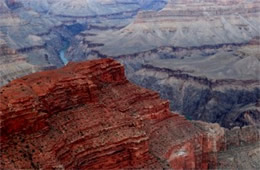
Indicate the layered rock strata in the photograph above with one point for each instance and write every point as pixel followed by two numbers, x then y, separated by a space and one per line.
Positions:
pixel 89 116
pixel 24 47
pixel 14 65
pixel 184 24
pixel 201 55
pixel 43 30
pixel 193 89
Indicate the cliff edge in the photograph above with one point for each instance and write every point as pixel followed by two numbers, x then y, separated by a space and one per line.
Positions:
pixel 89 116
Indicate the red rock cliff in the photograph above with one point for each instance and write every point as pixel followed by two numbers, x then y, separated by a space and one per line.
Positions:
pixel 88 116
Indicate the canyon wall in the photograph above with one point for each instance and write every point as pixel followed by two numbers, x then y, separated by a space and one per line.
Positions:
pixel 25 41
pixel 183 24
pixel 201 55
pixel 89 116
pixel 14 65
pixel 41 30
pixel 229 102
pixel 196 53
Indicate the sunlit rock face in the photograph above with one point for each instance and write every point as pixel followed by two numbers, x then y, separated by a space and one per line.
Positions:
pixel 89 116
pixel 201 55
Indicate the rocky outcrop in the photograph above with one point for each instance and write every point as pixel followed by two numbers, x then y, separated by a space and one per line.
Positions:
pixel 239 147
pixel 89 116
pixel 72 116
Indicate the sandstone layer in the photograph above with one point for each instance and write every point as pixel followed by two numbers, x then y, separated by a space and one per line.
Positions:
pixel 89 116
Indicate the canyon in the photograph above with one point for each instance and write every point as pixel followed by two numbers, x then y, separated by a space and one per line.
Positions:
pixel 87 115
pixel 184 24
pixel 41 33
pixel 174 84
pixel 203 56
pixel 200 56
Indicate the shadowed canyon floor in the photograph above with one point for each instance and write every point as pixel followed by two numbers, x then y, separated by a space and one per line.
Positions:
pixel 89 116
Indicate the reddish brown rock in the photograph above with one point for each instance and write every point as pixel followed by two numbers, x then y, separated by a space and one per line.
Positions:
pixel 85 115
pixel 88 116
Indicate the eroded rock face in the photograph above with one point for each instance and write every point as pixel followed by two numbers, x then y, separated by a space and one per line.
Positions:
pixel 13 64
pixel 229 102
pixel 43 30
pixel 184 24
pixel 202 55
pixel 24 46
pixel 88 116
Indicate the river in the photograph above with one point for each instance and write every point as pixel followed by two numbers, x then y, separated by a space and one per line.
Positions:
pixel 62 56
pixel 62 52
pixel 73 29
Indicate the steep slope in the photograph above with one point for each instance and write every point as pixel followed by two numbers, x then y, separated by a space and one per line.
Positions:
pixel 89 116
pixel 215 85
